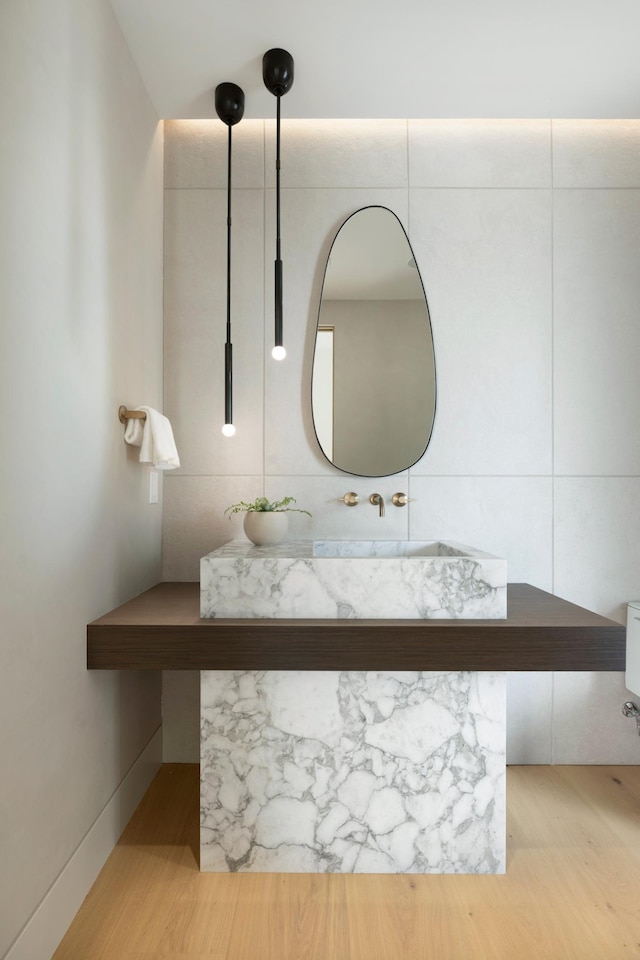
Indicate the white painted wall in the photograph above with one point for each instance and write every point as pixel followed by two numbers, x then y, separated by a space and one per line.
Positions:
pixel 81 332
pixel 527 238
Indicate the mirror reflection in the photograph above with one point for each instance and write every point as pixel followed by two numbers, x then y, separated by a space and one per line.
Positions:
pixel 373 386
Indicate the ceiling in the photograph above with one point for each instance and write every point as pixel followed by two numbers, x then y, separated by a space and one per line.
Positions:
pixel 393 58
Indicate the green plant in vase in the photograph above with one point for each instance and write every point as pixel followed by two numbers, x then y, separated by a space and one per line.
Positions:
pixel 265 520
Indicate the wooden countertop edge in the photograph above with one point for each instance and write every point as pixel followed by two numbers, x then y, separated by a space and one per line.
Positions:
pixel 162 630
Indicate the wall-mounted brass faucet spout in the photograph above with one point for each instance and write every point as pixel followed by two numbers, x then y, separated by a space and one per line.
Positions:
pixel 377 501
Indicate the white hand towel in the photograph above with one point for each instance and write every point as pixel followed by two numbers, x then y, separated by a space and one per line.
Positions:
pixel 154 436
pixel 133 432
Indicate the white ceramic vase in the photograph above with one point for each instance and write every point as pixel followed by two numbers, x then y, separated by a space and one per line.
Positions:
pixel 264 528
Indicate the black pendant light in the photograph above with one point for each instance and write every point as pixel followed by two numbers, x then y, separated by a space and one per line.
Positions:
pixel 277 73
pixel 230 109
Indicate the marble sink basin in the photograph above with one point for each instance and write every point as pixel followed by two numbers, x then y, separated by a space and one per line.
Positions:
pixel 361 579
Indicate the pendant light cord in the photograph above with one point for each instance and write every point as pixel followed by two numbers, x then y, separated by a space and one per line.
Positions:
pixel 278 261
pixel 229 237
pixel 278 98
pixel 228 349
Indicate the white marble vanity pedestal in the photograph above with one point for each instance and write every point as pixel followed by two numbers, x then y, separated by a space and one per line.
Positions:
pixel 352 772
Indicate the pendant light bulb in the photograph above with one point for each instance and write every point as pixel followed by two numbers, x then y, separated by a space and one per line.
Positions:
pixel 278 353
pixel 229 430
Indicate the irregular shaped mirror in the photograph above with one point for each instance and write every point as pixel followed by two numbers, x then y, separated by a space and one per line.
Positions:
pixel 373 388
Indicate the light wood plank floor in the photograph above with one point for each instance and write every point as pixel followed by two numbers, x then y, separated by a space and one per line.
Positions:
pixel 572 888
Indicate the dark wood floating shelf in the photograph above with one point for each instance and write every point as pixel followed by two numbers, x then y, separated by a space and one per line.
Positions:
pixel 162 630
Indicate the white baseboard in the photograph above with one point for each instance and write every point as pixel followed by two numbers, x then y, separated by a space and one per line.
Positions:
pixel 48 924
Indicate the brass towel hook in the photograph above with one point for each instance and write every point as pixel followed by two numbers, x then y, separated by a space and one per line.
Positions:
pixel 124 414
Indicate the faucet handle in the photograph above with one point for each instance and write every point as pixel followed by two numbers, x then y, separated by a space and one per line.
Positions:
pixel 401 499
pixel 351 499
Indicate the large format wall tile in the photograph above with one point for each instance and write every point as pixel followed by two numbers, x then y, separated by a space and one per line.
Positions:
pixel 507 516
pixel 597 564
pixel 482 236
pixel 596 153
pixel 596 542
pixel 311 219
pixel 588 725
pixel 529 717
pixel 334 154
pixel 596 331
pixel 479 153
pixel 180 716
pixel 195 329
pixel 485 258
pixel 195 154
pixel 333 520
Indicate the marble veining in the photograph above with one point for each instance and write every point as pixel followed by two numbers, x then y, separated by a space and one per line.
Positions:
pixel 394 772
pixel 352 579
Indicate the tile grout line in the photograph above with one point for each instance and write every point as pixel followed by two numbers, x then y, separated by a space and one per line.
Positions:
pixel 420 476
pixel 553 420
pixel 264 306
pixel 408 519
pixel 386 186
pixel 164 332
